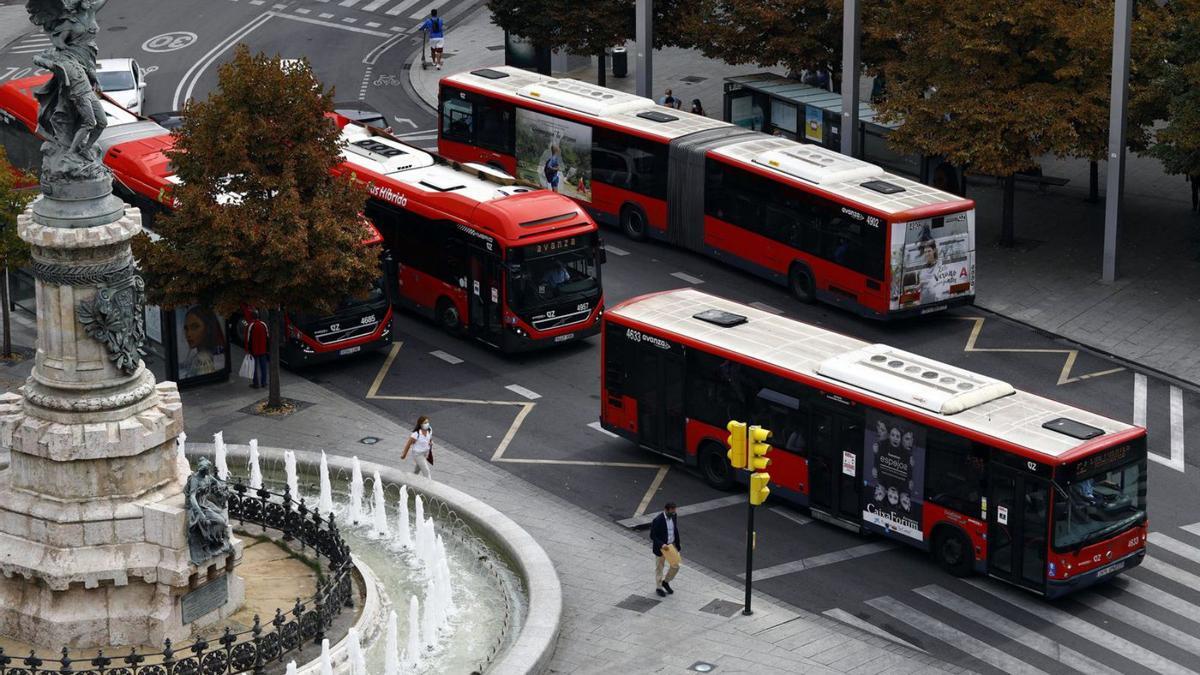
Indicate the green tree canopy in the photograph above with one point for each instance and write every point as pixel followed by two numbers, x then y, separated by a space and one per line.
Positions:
pixel 260 219
pixel 1174 91
pixel 797 34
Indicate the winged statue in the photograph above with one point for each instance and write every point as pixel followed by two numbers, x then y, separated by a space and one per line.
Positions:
pixel 71 117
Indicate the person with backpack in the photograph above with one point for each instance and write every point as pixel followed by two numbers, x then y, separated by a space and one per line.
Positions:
pixel 437 37
pixel 552 170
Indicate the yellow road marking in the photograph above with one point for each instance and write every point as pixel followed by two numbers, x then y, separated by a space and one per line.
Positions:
pixel 387 365
pixel 650 491
pixel 512 431
pixel 1064 376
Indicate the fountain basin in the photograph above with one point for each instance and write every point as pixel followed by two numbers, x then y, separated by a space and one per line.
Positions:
pixel 533 646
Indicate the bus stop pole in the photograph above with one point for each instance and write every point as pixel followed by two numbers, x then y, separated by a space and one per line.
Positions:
pixel 1115 180
pixel 850 72
pixel 644 33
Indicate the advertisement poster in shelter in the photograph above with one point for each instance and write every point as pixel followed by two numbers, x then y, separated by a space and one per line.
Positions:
pixel 894 474
pixel 200 342
pixel 555 154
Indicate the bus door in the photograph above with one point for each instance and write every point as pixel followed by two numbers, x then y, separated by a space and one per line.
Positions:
pixel 1017 526
pixel 484 292
pixel 660 404
pixel 835 469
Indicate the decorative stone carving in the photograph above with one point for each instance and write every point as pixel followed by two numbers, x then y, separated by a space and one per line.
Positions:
pixel 83 275
pixel 208 521
pixel 115 318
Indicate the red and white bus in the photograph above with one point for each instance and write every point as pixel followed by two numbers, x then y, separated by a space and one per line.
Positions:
pixel 875 439
pixel 134 149
pixel 515 267
pixel 831 227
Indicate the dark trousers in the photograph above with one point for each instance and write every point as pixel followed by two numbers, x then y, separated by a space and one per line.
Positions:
pixel 260 370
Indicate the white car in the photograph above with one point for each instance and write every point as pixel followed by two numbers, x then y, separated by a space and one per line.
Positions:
pixel 122 81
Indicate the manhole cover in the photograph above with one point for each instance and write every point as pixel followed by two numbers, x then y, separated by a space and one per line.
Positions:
pixel 369 440
pixel 495 48
pixel 722 607
pixel 693 79
pixel 637 603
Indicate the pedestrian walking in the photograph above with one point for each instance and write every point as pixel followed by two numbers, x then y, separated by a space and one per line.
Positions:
pixel 421 445
pixel 664 542
pixel 697 107
pixel 437 37
pixel 1194 179
pixel 257 347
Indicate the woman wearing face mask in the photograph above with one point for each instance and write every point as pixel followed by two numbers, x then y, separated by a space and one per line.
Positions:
pixel 421 444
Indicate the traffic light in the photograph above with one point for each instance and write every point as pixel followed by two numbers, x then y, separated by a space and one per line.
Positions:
pixel 758 449
pixel 737 444
pixel 758 488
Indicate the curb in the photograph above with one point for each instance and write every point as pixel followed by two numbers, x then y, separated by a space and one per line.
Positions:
pixel 535 643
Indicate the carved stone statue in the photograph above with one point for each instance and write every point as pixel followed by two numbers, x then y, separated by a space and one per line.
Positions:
pixel 71 117
pixel 208 522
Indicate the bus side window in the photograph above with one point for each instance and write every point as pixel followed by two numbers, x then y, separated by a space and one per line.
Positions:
pixel 954 475
pixel 787 418
pixel 496 125
pixel 458 118
pixel 713 397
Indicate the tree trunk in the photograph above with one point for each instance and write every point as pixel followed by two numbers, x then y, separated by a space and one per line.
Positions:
pixel 602 70
pixel 7 326
pixel 1006 219
pixel 274 336
pixel 1093 181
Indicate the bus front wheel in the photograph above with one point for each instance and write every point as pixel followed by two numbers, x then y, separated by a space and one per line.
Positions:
pixel 714 465
pixel 800 282
pixel 633 223
pixel 953 551
pixel 447 316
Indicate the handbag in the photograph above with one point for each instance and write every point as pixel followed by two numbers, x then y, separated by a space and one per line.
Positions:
pixel 671 554
pixel 429 455
pixel 247 368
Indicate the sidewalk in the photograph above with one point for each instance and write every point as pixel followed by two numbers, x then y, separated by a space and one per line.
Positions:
pixel 1051 281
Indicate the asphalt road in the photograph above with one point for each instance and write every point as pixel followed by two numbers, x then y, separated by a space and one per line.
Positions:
pixel 535 414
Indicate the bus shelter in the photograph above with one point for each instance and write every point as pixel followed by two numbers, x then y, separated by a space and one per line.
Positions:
pixel 786 107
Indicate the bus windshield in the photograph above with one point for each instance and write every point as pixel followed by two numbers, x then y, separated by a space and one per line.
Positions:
pixel 1106 494
pixel 552 277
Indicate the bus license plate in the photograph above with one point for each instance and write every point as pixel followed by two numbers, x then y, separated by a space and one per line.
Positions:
pixel 563 338
pixel 350 350
pixel 1110 569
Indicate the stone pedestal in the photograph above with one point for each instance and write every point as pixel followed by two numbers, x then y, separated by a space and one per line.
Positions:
pixel 93 525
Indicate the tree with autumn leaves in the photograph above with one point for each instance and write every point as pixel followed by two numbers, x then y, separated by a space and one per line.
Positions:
pixel 14 251
pixel 260 221
pixel 1173 91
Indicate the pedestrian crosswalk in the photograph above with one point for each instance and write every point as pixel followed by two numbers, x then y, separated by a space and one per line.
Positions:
pixel 1147 620
pixel 396 10
pixel 1165 424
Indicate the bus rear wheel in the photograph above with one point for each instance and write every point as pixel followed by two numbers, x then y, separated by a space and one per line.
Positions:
pixel 800 282
pixel 714 465
pixel 447 317
pixel 633 223
pixel 953 551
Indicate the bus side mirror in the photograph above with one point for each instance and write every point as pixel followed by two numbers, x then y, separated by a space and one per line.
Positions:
pixel 603 253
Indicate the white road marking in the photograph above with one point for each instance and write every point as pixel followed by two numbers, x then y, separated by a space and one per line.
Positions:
pixel 421 13
pixel 421 137
pixel 303 10
pixel 430 148
pixel 183 91
pixel 325 15
pixel 522 391
pixel 1139 399
pixel 1146 624
pixel 372 24
pixel 596 426
pixel 347 19
pixel 405 4
pixel 820 560
pixel 615 250
pixel 278 6
pixel 839 614
pixel 952 636
pixel 700 507
pixel 766 308
pixel 1170 572
pixel 1194 528
pixel 1014 631
pixel 349 3
pixel 374 5
pixel 1083 629
pixel 448 358
pixel 1159 597
pixel 1175 546
pixel 1175 461
pixel 258 2
pixel 687 277
pixel 419 132
pixel 352 29
pixel 791 515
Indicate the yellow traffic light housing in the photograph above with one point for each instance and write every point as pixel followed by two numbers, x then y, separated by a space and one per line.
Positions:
pixel 758 449
pixel 737 444
pixel 758 488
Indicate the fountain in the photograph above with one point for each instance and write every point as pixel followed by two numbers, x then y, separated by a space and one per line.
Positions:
pixel 325 501
pixel 219 455
pixel 255 470
pixel 355 513
pixel 403 529
pixel 358 660
pixel 293 481
pixel 180 445
pixel 326 658
pixel 412 654
pixel 291 668
pixel 391 654
pixel 379 511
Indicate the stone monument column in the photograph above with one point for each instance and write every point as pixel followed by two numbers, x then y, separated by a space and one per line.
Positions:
pixel 93 521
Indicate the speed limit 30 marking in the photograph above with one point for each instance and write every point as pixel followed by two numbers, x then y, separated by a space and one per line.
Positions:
pixel 169 42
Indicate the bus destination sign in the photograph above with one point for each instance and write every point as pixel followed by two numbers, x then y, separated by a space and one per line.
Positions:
pixel 1101 461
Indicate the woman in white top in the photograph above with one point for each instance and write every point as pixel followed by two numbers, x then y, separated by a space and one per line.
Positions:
pixel 421 444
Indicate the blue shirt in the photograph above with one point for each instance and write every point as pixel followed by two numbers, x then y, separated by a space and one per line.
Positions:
pixel 434 25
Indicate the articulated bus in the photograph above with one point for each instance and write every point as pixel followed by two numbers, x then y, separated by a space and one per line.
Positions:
pixel 830 227
pixel 134 149
pixel 514 267
pixel 986 478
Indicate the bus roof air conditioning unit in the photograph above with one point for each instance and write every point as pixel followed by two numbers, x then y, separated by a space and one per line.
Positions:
pixel 390 156
pixel 818 165
pixel 916 380
pixel 585 98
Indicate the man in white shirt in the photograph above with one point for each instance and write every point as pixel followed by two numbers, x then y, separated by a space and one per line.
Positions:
pixel 664 531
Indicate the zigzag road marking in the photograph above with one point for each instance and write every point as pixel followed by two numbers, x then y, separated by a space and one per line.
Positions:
pixel 1064 376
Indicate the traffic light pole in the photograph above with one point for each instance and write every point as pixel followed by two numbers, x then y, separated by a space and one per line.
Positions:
pixel 749 557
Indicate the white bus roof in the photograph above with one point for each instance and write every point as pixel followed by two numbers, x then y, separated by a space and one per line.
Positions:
pixel 850 178
pixel 969 400
pixel 416 168
pixel 629 110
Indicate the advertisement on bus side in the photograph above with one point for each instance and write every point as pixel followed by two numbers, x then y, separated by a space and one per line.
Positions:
pixel 894 474
pixel 555 154
pixel 933 260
